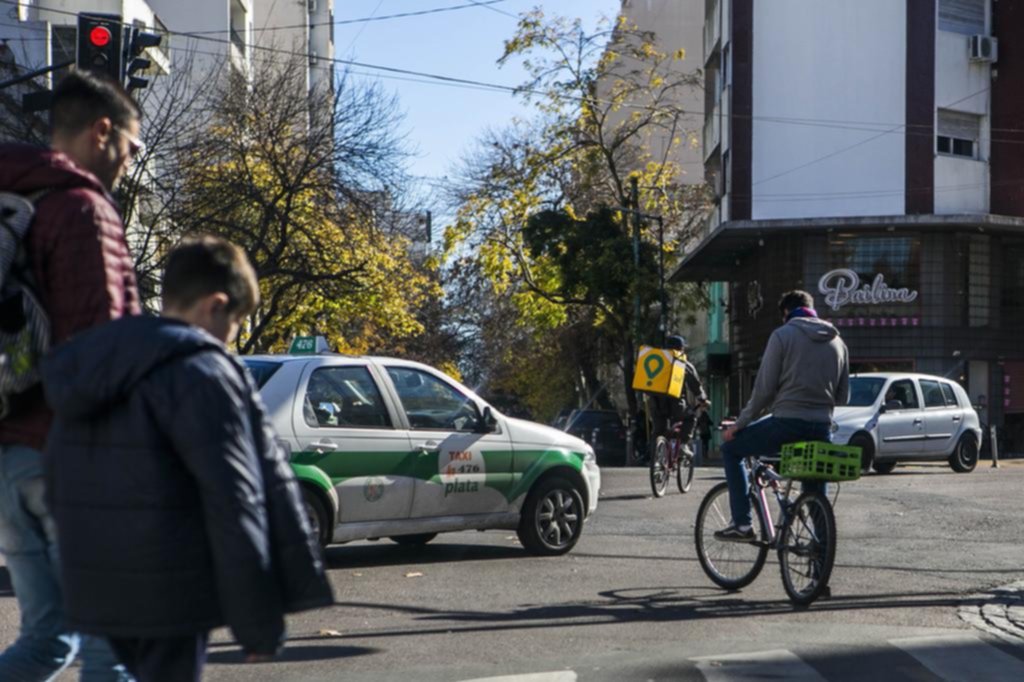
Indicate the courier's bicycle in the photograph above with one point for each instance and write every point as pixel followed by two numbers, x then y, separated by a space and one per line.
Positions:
pixel 803 530
pixel 672 457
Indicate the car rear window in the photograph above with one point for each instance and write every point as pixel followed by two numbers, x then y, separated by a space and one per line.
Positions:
pixel 932 394
pixel 950 395
pixel 261 370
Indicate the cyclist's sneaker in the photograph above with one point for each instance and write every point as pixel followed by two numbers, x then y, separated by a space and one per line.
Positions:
pixel 735 534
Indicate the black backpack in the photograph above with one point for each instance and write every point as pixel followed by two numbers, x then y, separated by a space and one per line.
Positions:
pixel 24 325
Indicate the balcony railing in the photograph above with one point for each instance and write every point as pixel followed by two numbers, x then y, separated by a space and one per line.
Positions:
pixel 712 131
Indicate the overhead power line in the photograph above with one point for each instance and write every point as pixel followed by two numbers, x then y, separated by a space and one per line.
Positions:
pixel 398 73
pixel 365 20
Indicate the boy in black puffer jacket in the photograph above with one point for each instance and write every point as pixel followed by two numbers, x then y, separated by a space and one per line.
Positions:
pixel 176 509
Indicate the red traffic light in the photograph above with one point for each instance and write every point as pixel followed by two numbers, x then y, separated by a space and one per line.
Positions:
pixel 100 36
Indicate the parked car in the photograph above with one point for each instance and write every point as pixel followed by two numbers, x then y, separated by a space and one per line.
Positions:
pixel 897 417
pixel 605 432
pixel 384 447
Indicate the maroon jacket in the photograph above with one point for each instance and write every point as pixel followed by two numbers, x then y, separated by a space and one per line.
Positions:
pixel 80 258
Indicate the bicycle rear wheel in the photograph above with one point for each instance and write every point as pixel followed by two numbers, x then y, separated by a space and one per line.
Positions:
pixel 659 467
pixel 731 565
pixel 807 548
pixel 684 472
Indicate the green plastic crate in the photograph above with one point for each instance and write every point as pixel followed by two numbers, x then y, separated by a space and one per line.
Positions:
pixel 820 461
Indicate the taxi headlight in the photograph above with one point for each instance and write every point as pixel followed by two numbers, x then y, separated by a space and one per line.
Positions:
pixel 588 455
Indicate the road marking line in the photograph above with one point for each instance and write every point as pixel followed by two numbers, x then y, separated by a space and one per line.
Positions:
pixel 558 676
pixel 756 667
pixel 962 658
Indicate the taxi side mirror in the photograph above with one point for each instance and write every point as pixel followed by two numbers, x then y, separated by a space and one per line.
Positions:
pixel 487 422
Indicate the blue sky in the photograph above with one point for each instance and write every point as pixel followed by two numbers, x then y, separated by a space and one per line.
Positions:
pixel 441 121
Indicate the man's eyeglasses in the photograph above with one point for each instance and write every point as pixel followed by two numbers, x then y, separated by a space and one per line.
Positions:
pixel 135 145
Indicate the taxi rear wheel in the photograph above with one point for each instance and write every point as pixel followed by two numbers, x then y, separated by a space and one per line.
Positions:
pixel 316 512
pixel 552 518
pixel 414 540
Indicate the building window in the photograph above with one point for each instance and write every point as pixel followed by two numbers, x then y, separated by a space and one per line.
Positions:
pixel 962 16
pixel 958 134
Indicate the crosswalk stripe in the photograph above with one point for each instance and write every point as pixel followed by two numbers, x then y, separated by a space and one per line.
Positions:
pixel 962 658
pixel 558 676
pixel 756 667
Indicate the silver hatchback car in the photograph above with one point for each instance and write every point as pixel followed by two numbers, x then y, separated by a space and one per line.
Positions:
pixel 897 417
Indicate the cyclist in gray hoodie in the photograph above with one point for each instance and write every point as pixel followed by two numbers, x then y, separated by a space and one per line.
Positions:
pixel 804 374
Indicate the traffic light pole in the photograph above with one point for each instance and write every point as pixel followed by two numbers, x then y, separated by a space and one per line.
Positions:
pixel 34 74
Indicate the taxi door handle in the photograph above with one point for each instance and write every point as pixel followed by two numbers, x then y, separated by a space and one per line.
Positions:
pixel 429 448
pixel 917 421
pixel 956 418
pixel 324 446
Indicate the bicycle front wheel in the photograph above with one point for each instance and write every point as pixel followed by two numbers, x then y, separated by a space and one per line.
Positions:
pixel 659 467
pixel 731 565
pixel 807 548
pixel 684 472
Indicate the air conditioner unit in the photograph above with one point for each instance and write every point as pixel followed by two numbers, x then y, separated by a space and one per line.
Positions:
pixel 312 6
pixel 984 49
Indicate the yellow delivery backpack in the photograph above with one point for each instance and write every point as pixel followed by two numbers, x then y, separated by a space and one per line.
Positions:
pixel 659 370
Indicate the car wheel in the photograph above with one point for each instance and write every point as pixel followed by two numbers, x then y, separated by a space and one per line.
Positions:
pixel 884 467
pixel 867 450
pixel 414 540
pixel 319 519
pixel 552 517
pixel 965 455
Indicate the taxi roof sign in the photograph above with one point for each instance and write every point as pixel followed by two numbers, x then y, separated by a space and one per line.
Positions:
pixel 308 345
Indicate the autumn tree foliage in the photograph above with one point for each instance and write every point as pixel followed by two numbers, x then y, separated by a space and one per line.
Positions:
pixel 311 186
pixel 546 204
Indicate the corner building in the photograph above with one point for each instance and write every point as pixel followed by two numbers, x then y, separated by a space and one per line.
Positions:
pixel 872 153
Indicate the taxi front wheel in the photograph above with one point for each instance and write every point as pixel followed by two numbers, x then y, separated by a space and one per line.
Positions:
pixel 552 518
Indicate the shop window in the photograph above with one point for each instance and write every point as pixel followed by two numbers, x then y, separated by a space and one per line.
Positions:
pixel 1011 292
pixel 962 16
pixel 958 134
pixel 979 281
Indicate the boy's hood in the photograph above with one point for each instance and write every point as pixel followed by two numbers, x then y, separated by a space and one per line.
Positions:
pixel 99 367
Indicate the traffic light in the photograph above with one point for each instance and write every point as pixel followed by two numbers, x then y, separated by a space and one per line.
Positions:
pixel 100 45
pixel 137 41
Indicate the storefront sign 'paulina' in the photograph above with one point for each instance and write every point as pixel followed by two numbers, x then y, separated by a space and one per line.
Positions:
pixel 842 287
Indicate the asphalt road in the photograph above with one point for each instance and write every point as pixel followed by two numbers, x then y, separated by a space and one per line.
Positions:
pixel 919 551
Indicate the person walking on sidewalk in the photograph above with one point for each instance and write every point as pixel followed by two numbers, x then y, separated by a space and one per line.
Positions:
pixel 804 374
pixel 177 509
pixel 83 274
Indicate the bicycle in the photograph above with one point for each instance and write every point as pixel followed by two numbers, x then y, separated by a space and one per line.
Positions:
pixel 671 456
pixel 804 534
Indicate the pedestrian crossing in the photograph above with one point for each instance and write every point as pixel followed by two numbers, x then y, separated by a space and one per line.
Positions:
pixel 954 657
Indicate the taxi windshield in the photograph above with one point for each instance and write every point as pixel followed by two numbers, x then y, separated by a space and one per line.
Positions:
pixel 864 390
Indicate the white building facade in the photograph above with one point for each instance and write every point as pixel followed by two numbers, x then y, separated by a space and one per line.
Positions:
pixel 304 28
pixel 873 146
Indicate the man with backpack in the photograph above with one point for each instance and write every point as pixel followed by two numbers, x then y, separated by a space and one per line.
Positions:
pixel 74 261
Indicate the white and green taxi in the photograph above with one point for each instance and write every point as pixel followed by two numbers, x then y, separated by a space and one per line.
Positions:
pixel 391 448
